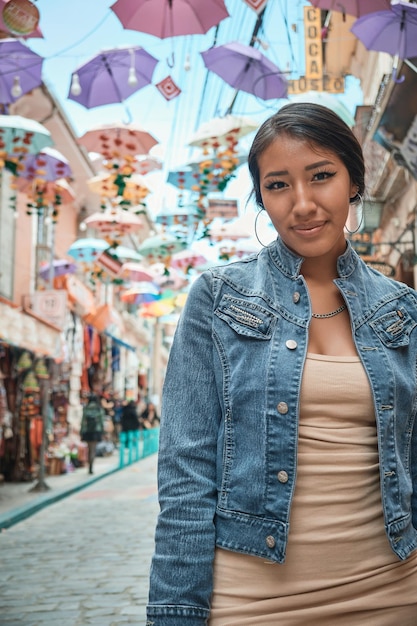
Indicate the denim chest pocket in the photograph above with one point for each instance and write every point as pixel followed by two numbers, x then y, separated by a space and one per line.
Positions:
pixel 246 318
pixel 394 328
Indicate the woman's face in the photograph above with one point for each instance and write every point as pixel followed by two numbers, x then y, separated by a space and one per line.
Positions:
pixel 305 191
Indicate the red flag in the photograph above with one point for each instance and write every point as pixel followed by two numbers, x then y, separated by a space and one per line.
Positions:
pixel 256 5
pixel 168 88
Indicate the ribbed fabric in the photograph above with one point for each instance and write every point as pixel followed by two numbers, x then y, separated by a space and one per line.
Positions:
pixel 339 567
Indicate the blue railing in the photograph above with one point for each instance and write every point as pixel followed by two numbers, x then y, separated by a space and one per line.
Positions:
pixel 137 444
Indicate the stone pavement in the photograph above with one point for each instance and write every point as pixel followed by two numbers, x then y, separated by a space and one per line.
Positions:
pixel 83 559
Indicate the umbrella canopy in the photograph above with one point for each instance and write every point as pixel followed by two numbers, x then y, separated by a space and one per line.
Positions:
pixel 112 76
pixel 59 268
pixel 161 247
pixel 21 135
pixel 222 131
pixel 20 70
pixel 118 140
pixel 87 249
pixel 393 31
pixel 141 293
pixel 352 7
pixel 49 165
pixel 115 221
pixel 246 69
pixel 127 254
pixel 145 164
pixel 134 271
pixel 206 175
pixel 52 191
pixel 171 279
pixel 170 18
pixel 187 259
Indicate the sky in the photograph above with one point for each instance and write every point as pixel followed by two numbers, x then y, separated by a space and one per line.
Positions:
pixel 76 30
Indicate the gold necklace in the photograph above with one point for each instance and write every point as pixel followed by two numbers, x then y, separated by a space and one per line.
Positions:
pixel 321 316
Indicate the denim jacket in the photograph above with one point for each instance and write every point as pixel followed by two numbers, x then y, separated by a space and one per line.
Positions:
pixel 228 439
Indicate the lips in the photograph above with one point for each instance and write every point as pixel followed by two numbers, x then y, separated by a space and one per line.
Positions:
pixel 310 227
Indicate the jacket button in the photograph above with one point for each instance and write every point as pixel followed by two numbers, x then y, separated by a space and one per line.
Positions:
pixel 282 476
pixel 282 408
pixel 270 541
pixel 291 344
pixel 296 297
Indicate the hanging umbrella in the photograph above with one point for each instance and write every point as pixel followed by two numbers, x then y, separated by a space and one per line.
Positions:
pixel 393 31
pixel 331 101
pixel 115 220
pixel 59 190
pixel 141 293
pixel 134 271
pixel 161 247
pixel 159 308
pixel 36 33
pixel 112 76
pixel 145 164
pixel 118 140
pixel 59 268
pixel 207 175
pixel 246 69
pixel 126 254
pixel 187 259
pixel 48 165
pixel 168 18
pixel 20 70
pixel 222 131
pixel 352 7
pixel 21 135
pixel 87 249
pixel 167 279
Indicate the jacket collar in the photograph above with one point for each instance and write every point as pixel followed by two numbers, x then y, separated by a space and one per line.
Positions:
pixel 290 263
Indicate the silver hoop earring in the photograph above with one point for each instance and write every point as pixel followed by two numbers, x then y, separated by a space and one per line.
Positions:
pixel 256 224
pixel 356 200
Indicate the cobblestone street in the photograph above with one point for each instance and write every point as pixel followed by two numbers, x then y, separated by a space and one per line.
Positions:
pixel 85 559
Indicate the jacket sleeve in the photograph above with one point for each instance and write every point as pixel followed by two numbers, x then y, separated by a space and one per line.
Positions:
pixel 181 571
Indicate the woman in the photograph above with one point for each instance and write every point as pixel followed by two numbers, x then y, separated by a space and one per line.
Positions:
pixel 288 447
pixel 149 417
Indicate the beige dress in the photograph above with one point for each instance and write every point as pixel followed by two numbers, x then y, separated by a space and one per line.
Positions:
pixel 339 567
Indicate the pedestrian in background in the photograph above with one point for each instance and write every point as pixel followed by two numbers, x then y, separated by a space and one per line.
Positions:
pixel 149 417
pixel 129 418
pixel 288 441
pixel 92 427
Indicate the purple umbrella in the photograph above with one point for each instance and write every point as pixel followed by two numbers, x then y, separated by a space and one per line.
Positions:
pixel 48 164
pixel 246 69
pixel 59 268
pixel 352 7
pixel 393 31
pixel 20 70
pixel 112 76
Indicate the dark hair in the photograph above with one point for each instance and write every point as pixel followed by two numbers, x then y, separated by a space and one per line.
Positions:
pixel 318 126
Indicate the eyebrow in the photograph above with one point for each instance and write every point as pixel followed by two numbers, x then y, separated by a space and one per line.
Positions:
pixel 307 168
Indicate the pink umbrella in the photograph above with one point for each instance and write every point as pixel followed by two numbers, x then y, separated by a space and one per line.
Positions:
pixel 136 272
pixel 246 69
pixel 118 140
pixel 187 259
pixel 115 221
pixel 170 18
pixel 352 7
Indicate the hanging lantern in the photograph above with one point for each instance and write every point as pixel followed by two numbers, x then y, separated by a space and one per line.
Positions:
pixel 30 383
pixel 24 362
pixel 20 17
pixel 41 370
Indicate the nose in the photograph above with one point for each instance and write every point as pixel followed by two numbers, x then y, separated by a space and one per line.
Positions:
pixel 304 202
